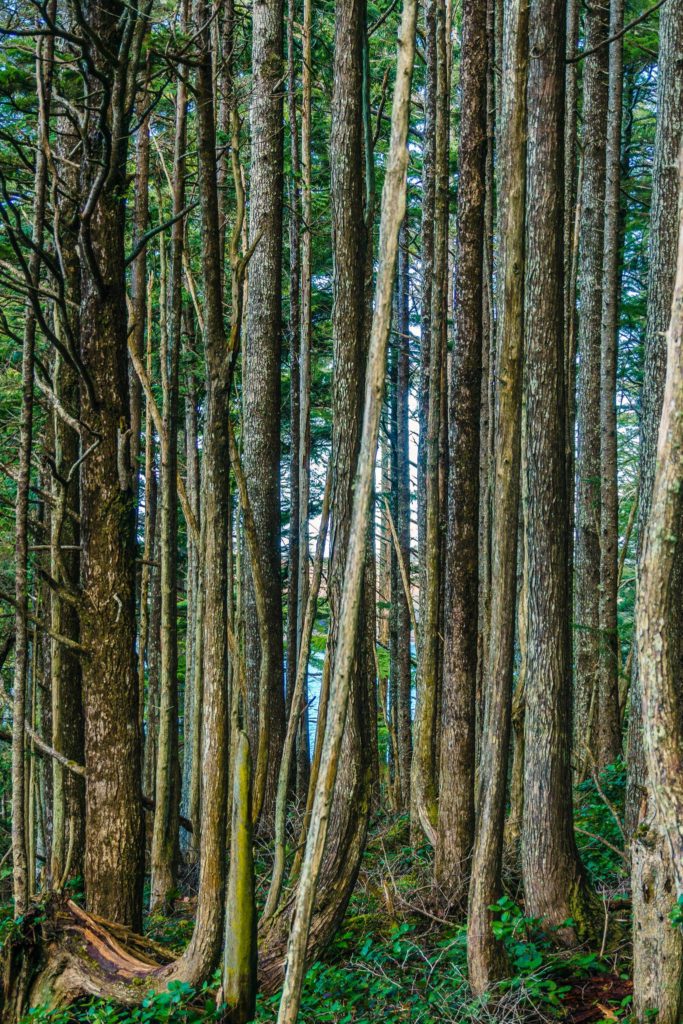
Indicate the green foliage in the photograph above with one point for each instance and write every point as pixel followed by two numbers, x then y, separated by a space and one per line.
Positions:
pixel 178 1004
pixel 599 811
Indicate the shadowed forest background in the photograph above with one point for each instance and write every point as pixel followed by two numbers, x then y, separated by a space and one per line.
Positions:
pixel 341 511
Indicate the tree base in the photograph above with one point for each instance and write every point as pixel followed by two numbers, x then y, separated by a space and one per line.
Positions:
pixel 58 954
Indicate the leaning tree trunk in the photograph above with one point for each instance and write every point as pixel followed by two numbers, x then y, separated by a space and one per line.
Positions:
pixel 349 816
pixel 393 209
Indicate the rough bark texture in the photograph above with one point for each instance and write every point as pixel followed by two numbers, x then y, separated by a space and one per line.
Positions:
pixel 607 732
pixel 658 609
pixel 657 953
pixel 587 556
pixel 553 882
pixel 261 369
pixel 393 209
pixel 484 958
pixel 114 849
pixel 455 832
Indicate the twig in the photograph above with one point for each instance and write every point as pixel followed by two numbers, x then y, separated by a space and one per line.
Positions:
pixel 617 35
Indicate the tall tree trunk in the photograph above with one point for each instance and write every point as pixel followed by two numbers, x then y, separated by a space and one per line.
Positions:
pixel 658 618
pixel 165 850
pixel 304 468
pixel 393 209
pixel 423 800
pixel 484 956
pixel 294 551
pixel 114 847
pixel 657 951
pixel 401 709
pixel 261 371
pixel 349 816
pixel 455 833
pixel 608 723
pixel 587 559
pixel 21 881
pixel 554 886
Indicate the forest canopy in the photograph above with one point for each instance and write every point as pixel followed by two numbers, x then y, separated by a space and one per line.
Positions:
pixel 341 511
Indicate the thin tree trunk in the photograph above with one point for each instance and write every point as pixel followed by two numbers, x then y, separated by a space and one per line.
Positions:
pixel 401 710
pixel 591 232
pixel 303 751
pixel 608 725
pixel 20 875
pixel 165 850
pixel 294 551
pixel 261 377
pixel 423 800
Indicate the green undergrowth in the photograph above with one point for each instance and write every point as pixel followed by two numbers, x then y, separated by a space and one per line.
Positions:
pixel 396 960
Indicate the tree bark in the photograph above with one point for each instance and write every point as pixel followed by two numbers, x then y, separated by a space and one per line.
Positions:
pixel 657 951
pixel 165 848
pixel 658 609
pixel 607 737
pixel 261 371
pixel 455 834
pixel 591 234
pixel 484 956
pixel 393 209
pixel 554 886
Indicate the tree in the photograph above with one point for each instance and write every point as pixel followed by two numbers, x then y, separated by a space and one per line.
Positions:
pixel 591 244
pixel 457 764
pixel 484 955
pixel 554 886
pixel 261 383
pixel 658 954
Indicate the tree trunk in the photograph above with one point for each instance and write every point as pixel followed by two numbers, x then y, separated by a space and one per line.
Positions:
pixel 657 951
pixel 455 833
pixel 554 886
pixel 261 372
pixel 591 232
pixel 607 737
pixel 114 846
pixel 393 209
pixel 165 849
pixel 484 957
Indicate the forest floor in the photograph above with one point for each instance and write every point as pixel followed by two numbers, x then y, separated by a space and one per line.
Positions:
pixel 397 960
